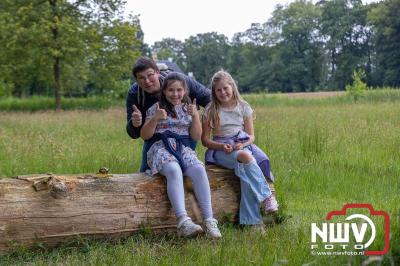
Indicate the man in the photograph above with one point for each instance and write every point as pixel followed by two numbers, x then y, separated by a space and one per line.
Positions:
pixel 145 92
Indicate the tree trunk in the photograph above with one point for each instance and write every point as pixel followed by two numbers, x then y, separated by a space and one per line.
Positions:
pixel 49 209
pixel 57 82
pixel 57 60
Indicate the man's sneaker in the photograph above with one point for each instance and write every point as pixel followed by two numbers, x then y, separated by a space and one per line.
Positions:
pixel 188 229
pixel 212 230
pixel 270 204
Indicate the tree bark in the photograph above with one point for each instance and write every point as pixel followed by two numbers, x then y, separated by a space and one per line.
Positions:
pixel 48 209
pixel 57 83
pixel 56 58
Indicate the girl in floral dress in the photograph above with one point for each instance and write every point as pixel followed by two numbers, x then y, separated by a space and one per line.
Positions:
pixel 169 126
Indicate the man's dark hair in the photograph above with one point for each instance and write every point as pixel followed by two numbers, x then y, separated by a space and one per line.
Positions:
pixel 142 64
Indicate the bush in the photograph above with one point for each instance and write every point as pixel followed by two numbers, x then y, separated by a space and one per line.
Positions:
pixel 120 90
pixel 5 88
pixel 357 89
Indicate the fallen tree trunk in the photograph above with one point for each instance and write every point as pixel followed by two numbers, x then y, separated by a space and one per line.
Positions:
pixel 49 209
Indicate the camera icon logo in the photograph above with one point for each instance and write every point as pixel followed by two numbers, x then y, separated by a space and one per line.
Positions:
pixel 353 236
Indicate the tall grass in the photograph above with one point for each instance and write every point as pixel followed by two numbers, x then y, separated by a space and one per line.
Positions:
pixel 37 103
pixel 323 156
pixel 66 142
pixel 370 96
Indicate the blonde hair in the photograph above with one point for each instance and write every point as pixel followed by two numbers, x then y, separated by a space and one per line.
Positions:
pixel 212 109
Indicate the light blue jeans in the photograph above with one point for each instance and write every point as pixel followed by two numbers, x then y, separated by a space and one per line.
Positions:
pixel 254 188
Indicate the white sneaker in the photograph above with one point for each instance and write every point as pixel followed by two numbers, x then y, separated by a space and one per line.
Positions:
pixel 270 204
pixel 188 229
pixel 212 230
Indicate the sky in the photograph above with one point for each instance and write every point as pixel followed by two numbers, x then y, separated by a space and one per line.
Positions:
pixel 180 19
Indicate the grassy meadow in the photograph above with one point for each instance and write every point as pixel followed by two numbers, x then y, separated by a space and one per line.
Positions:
pixel 324 153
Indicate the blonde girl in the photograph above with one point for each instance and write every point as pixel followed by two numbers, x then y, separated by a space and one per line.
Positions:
pixel 229 119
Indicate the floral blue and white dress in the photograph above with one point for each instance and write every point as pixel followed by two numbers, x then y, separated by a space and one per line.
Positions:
pixel 158 155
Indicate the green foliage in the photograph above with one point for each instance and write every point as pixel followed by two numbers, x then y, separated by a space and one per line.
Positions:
pixel 112 58
pixel 5 89
pixel 302 47
pixel 339 20
pixel 119 90
pixel 357 89
pixel 384 18
pixel 299 49
pixel 63 47
pixel 170 48
pixel 205 54
pixel 248 65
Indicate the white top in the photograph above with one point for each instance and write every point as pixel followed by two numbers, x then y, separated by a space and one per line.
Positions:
pixel 232 119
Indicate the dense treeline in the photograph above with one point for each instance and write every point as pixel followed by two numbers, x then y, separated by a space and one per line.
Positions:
pixel 302 47
pixel 86 47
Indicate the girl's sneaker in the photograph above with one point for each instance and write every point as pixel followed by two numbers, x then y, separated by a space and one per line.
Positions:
pixel 270 204
pixel 212 230
pixel 188 229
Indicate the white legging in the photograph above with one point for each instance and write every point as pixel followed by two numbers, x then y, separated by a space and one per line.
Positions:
pixel 197 173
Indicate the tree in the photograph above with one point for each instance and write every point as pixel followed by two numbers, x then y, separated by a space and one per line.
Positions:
pixel 59 43
pixel 255 34
pixel 112 56
pixel 358 87
pixel 384 18
pixel 299 49
pixel 346 38
pixel 170 48
pixel 22 63
pixel 250 65
pixel 205 54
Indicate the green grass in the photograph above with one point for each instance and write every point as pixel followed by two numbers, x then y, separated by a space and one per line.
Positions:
pixel 370 96
pixel 323 155
pixel 37 103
